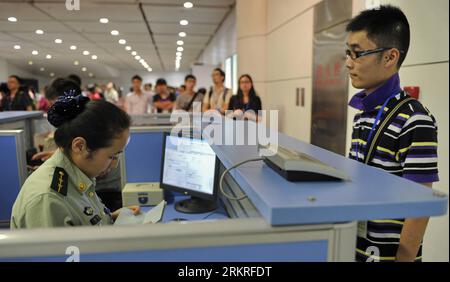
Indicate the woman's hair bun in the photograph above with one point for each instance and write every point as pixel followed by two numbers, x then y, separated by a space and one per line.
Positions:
pixel 67 107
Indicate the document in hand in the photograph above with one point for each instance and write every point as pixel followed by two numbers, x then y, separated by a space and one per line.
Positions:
pixel 126 216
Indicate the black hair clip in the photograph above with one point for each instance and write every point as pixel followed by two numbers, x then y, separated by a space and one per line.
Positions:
pixel 66 108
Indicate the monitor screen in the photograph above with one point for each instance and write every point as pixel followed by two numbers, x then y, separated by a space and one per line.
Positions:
pixel 188 164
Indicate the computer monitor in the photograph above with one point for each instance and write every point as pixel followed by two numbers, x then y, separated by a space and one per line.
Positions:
pixel 190 166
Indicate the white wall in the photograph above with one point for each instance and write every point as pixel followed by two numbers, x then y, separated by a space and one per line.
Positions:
pixel 289 63
pixel 223 44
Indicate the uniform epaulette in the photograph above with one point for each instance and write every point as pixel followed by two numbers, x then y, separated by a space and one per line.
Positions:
pixel 60 181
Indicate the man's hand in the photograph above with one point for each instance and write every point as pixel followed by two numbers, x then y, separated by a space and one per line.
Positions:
pixel 412 235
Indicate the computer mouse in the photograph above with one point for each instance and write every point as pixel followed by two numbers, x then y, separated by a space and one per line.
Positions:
pixel 178 219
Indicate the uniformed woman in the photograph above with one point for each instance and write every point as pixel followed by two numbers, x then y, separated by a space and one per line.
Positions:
pixel 90 135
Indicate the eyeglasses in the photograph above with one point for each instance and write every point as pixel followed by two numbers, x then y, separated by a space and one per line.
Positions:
pixel 357 54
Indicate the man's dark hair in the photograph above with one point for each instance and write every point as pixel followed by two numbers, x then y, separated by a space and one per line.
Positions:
pixel 75 78
pixel 17 78
pixel 190 76
pixel 59 86
pixel 136 77
pixel 222 73
pixel 387 26
pixel 161 81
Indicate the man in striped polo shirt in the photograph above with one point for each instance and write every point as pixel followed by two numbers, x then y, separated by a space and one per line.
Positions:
pixel 377 45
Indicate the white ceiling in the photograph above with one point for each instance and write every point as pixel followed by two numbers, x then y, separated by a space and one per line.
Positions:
pixel 83 29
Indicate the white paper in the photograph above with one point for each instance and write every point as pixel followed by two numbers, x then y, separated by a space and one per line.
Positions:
pixel 126 216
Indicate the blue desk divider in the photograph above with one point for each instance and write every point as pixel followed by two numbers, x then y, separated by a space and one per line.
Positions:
pixel 13 169
pixel 143 157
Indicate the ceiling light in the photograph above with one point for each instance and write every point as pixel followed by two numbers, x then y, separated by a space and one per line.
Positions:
pixel 76 63
pixel 122 41
pixel 184 22
pixel 73 47
pixel 180 42
pixel 180 49
pixel 141 61
pixel 58 41
pixel 137 57
pixel 94 57
pixel 86 53
pixel 182 34
pixel 114 32
pixel 83 69
pixel 179 54
pixel 52 74
pixel 42 69
pixel 30 63
pixel 134 53
pixel 91 74
pixel 39 31
pixel 12 19
pixel 128 48
pixel 48 56
pixel 35 52
pixel 188 5
pixel 104 20
pixel 17 47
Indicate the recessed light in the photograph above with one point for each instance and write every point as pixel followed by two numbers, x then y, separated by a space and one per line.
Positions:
pixel 180 49
pixel 58 41
pixel 52 74
pixel 182 34
pixel 104 20
pixel 137 57
pixel 30 63
pixel 17 47
pixel 180 42
pixel 122 41
pixel 188 5
pixel 134 53
pixel 86 53
pixel 83 69
pixel 114 32
pixel 128 48
pixel 39 31
pixel 179 54
pixel 48 56
pixel 94 57
pixel 141 61
pixel 76 63
pixel 91 74
pixel 184 22
pixel 42 69
pixel 34 52
pixel 73 47
pixel 12 19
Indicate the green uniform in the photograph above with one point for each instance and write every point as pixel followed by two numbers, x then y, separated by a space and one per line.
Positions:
pixel 58 194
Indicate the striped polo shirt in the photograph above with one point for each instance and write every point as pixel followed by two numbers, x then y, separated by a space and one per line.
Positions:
pixel 407 148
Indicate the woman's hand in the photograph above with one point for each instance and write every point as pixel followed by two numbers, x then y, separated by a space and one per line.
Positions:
pixel 238 113
pixel 135 209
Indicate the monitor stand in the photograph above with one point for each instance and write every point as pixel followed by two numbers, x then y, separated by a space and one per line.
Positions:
pixel 195 205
